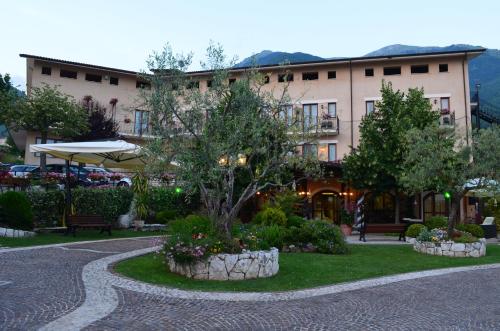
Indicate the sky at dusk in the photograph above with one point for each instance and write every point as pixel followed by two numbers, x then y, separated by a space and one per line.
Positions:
pixel 122 34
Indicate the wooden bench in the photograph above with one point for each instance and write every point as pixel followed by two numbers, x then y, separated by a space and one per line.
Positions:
pixel 87 221
pixel 382 228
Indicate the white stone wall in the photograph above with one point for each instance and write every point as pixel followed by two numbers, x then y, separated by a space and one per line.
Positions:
pixel 452 249
pixel 247 265
pixel 6 232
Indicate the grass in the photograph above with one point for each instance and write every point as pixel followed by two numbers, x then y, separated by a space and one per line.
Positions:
pixel 306 270
pixel 81 235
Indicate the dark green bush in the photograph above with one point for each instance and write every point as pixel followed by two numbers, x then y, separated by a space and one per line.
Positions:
pixel 474 229
pixel 164 216
pixel 436 222
pixel 414 230
pixel 325 236
pixel 166 198
pixel 192 224
pixel 294 220
pixel 107 202
pixel 270 236
pixel 465 238
pixel 15 211
pixel 270 216
pixel 48 207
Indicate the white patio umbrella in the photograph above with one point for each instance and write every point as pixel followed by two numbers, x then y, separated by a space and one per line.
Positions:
pixel 112 154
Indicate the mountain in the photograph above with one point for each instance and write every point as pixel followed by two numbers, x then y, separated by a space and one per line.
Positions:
pixel 269 57
pixel 484 69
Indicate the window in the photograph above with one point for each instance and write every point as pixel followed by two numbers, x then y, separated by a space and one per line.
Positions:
pixel 332 74
pixel 420 69
pixel 369 72
pixel 445 104
pixel 93 78
pixel 113 80
pixel 286 114
pixel 141 84
pixel 141 124
pixel 68 74
pixel 267 79
pixel 193 84
pixel 310 75
pixel 285 78
pixel 370 107
pixel 46 71
pixel 332 109
pixel 209 83
pixel 388 71
pixel 310 150
pixel 310 116
pixel 332 152
pixel 443 67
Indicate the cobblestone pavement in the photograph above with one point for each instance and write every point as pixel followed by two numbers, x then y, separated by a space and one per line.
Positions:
pixel 39 286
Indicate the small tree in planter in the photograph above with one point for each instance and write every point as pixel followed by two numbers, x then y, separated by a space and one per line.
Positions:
pixel 440 162
pixel 228 140
pixel 140 188
pixel 346 221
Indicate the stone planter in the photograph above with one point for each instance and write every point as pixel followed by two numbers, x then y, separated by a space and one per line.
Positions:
pixel 410 240
pixel 247 265
pixel 346 229
pixel 138 225
pixel 6 232
pixel 452 249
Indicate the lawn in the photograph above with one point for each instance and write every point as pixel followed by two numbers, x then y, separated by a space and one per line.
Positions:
pixel 306 270
pixel 81 235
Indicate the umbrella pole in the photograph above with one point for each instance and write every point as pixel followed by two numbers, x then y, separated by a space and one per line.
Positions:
pixel 68 193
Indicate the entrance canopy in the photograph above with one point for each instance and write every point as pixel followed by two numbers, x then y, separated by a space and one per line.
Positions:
pixel 111 154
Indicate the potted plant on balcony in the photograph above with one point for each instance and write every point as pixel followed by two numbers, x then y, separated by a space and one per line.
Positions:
pixel 140 188
pixel 346 221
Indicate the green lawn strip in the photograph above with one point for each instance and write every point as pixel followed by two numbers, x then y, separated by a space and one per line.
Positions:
pixel 81 235
pixel 306 270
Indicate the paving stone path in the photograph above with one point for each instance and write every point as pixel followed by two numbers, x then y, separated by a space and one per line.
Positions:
pixel 69 288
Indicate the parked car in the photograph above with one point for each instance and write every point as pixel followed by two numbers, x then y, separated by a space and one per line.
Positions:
pixel 80 172
pixel 21 170
pixel 111 177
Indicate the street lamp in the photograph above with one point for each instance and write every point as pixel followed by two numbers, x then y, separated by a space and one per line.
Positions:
pixel 478 120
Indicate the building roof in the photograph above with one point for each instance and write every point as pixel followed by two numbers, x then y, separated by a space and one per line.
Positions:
pixel 472 52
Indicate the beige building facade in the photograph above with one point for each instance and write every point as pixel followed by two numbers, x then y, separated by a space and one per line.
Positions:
pixel 330 95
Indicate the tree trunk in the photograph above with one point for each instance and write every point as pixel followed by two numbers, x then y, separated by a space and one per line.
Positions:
pixel 43 156
pixel 454 210
pixel 396 206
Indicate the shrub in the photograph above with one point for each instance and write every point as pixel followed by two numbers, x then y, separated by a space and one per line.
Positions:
pixel 286 201
pixel 167 198
pixel 270 236
pixel 15 211
pixel 294 220
pixel 270 216
pixel 48 207
pixel 346 217
pixel 473 229
pixel 164 216
pixel 191 225
pixel 465 238
pixel 325 236
pixel 107 202
pixel 434 235
pixel 436 222
pixel 414 230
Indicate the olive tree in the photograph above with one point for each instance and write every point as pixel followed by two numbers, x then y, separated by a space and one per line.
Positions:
pixel 439 161
pixel 226 140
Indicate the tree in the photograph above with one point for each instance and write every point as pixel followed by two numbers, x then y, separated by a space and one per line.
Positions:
pixel 100 125
pixel 439 161
pixel 375 164
pixel 228 141
pixel 47 110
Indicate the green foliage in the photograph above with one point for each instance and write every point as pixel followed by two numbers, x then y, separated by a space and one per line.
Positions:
pixel 465 238
pixel 16 211
pixel 436 222
pixel 48 207
pixel 325 236
pixel 474 229
pixel 140 189
pixel 286 201
pixel 109 202
pixel 164 216
pixel 192 224
pixel 270 216
pixel 376 163
pixel 295 220
pixel 270 236
pixel 346 217
pixel 414 230
pixel 167 199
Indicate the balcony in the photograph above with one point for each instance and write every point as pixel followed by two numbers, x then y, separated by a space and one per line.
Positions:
pixel 129 129
pixel 329 125
pixel 447 118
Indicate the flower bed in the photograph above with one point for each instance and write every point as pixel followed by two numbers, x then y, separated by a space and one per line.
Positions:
pixel 247 265
pixel 452 249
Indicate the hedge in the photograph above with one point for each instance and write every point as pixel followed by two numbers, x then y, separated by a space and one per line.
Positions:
pixel 48 207
pixel 168 199
pixel 107 202
pixel 16 211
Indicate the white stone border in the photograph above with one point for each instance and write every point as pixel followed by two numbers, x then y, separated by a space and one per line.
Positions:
pixel 13 233
pixel 102 265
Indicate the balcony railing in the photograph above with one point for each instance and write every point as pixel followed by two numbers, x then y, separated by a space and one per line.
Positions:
pixel 447 119
pixel 330 125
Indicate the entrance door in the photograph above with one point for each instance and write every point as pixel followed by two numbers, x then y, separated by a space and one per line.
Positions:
pixel 326 206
